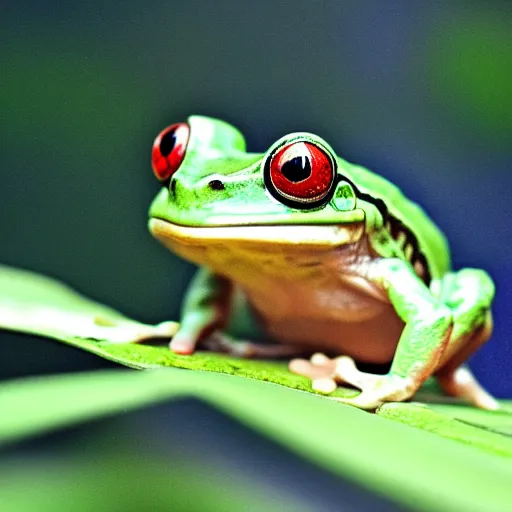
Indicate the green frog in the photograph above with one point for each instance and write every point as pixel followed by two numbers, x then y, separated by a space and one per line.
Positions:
pixel 332 260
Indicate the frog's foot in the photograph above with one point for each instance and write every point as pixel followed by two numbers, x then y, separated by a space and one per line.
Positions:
pixel 325 374
pixel 468 293
pixel 461 383
pixel 221 342
pixel 320 369
pixel 183 344
pixel 375 389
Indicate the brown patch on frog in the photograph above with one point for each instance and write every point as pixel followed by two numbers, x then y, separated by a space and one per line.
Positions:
pixel 409 246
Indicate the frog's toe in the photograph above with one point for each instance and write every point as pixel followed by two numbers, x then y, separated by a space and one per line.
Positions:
pixel 324 385
pixel 319 359
pixel 319 367
pixel 347 372
pixel 301 367
pixel 182 346
pixel 364 400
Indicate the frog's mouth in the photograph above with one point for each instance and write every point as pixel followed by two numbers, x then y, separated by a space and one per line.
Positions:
pixel 295 235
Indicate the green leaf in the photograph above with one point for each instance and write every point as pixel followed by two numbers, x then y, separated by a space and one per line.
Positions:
pixel 446 425
pixel 410 465
pixel 37 304
pixel 496 421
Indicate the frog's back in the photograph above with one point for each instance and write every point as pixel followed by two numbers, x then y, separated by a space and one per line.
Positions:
pixel 400 213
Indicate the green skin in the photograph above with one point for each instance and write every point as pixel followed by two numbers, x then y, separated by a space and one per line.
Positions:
pixel 445 320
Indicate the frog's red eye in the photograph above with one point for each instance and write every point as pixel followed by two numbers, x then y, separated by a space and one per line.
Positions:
pixel 301 173
pixel 169 149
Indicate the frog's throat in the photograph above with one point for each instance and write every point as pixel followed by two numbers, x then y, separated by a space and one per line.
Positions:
pixel 323 235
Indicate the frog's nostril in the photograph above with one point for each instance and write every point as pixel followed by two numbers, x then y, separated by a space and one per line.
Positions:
pixel 173 187
pixel 216 185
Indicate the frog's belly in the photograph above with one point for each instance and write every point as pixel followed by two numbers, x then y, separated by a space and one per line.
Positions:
pixel 302 292
pixel 339 321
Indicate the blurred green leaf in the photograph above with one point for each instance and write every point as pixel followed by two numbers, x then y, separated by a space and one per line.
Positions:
pixel 37 304
pixel 411 466
pixel 112 478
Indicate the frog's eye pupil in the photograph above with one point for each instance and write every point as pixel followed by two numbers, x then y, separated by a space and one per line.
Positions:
pixel 300 174
pixel 297 169
pixel 168 142
pixel 169 150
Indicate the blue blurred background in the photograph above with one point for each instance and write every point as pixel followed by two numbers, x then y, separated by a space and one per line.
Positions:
pixel 418 91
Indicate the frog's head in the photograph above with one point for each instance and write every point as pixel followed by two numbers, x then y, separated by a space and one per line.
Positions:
pixel 298 192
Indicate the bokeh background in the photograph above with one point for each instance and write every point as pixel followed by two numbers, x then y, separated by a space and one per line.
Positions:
pixel 420 92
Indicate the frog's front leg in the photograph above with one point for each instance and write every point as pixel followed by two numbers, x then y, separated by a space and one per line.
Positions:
pixel 428 324
pixel 205 310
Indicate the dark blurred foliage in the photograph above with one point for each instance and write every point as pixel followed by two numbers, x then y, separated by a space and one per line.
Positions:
pixel 418 91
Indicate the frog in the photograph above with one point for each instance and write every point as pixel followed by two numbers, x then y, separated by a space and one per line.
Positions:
pixel 342 273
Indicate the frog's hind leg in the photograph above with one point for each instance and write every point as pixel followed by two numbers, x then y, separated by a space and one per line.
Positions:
pixel 222 342
pixel 468 293
pixel 457 380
